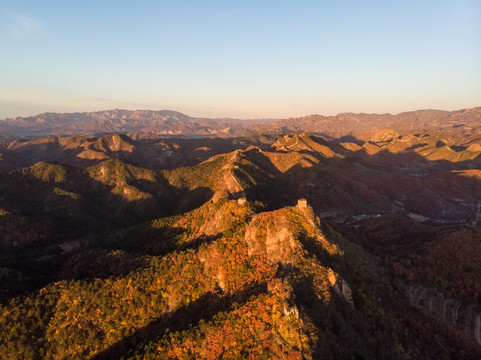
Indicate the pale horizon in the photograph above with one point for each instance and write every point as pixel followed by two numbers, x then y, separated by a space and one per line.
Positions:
pixel 244 118
pixel 196 115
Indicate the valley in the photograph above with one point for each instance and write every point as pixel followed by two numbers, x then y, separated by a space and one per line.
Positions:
pixel 141 234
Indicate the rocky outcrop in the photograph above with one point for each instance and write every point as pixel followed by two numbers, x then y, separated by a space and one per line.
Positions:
pixel 341 287
pixel 277 235
pixel 271 235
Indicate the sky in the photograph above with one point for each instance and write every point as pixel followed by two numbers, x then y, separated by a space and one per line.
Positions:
pixel 241 59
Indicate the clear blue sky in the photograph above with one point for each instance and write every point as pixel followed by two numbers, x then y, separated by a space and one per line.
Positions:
pixel 245 59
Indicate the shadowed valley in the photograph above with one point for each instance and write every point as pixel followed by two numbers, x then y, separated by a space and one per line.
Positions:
pixel 264 241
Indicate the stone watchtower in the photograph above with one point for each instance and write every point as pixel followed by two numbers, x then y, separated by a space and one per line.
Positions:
pixel 302 203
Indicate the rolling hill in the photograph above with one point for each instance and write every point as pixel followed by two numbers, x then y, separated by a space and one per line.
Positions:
pixel 354 242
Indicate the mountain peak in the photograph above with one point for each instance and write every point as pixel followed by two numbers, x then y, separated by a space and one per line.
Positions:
pixel 304 142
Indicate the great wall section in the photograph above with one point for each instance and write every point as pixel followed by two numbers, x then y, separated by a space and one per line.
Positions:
pixel 464 316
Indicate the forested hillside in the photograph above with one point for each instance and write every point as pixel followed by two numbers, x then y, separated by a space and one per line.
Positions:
pixel 298 246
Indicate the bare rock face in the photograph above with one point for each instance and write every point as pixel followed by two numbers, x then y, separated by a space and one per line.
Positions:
pixel 277 236
pixel 216 223
pixel 270 234
pixel 341 287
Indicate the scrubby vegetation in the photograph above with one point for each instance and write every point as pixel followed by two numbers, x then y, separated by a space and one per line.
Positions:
pixel 213 261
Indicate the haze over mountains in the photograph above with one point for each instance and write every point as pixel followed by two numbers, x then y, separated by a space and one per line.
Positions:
pixel 119 121
pixel 167 122
pixel 142 234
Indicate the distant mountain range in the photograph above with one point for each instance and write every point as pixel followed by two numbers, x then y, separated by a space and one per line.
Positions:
pixel 150 124
pixel 467 121
pixel 164 122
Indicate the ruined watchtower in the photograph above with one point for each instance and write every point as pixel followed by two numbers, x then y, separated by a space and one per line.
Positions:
pixel 302 203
